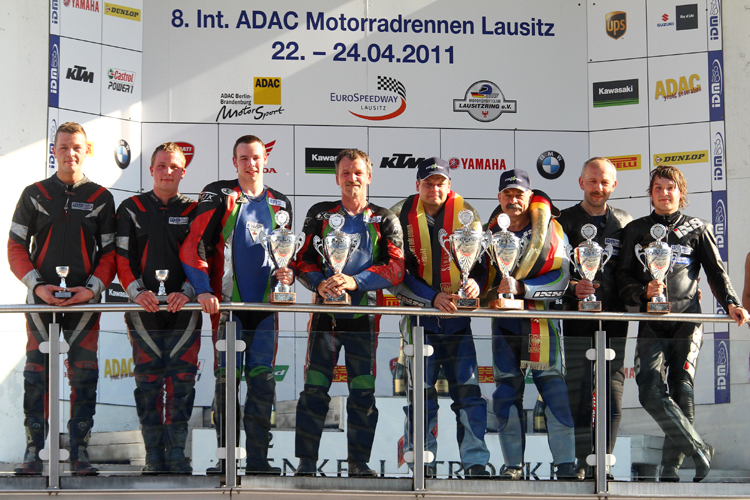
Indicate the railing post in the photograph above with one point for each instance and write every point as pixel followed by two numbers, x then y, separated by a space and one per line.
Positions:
pixel 602 459
pixel 418 407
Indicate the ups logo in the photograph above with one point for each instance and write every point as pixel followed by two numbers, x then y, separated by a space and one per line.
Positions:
pixel 616 24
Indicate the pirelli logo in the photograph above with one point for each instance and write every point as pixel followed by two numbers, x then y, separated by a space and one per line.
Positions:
pixel 681 158
pixel 627 162
pixel 130 13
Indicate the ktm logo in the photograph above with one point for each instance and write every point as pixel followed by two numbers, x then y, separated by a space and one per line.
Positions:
pixel 616 24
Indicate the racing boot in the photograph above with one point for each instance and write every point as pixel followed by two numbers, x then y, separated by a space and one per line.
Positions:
pixel 80 433
pixel 35 432
pixel 153 439
pixel 175 460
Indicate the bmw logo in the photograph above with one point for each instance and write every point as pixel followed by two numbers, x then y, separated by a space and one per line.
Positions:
pixel 122 154
pixel 550 164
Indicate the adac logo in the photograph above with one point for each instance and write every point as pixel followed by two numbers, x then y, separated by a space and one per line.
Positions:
pixel 484 101
pixel 550 164
pixel 122 154
pixel 682 158
pixel 665 22
pixel 388 104
pixel 188 150
pixel 616 24
pixel 89 5
pixel 80 74
pixel 477 163
pixel 626 162
pixel 120 11
pixel 267 90
pixel 718 157
pixel 672 89
pixel 400 160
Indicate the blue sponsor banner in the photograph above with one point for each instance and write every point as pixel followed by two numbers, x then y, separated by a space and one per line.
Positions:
pixel 721 367
pixel 716 85
pixel 54 71
pixel 719 220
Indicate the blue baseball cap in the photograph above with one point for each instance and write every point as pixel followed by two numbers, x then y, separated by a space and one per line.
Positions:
pixel 433 166
pixel 515 178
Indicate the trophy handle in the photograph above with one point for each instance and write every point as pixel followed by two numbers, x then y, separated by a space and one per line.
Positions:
pixel 676 254
pixel 298 242
pixel 443 241
pixel 318 245
pixel 572 257
pixel 487 245
pixel 639 255
pixel 608 251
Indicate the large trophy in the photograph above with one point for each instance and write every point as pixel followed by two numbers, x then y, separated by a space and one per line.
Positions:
pixel 281 246
pixel 336 249
pixel 464 247
pixel 588 258
pixel 62 272
pixel 660 259
pixel 505 248
pixel 161 277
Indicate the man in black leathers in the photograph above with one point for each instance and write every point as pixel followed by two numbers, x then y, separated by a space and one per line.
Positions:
pixel 666 353
pixel 598 180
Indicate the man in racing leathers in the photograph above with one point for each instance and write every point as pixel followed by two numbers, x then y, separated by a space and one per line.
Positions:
pixel 64 220
pixel 150 229
pixel 666 353
pixel 378 263
pixel 223 257
pixel 432 280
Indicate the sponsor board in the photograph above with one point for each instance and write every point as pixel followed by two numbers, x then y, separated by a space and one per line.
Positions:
pixel 716 77
pixel 686 17
pixel 122 154
pixel 718 169
pixel 54 71
pixel 477 163
pixel 484 101
pixel 616 24
pixel 681 158
pixel 321 160
pixel 719 204
pixel 121 80
pixel 89 5
pixel 115 293
pixel 615 93
pixel 671 88
pixel 550 164
pixel 626 162
pixel 722 378
pixel 244 106
pixel 120 11
pixel 388 103
pixel 188 150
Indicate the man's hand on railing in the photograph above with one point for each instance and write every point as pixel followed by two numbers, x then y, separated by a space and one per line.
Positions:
pixel 738 313
pixel 209 303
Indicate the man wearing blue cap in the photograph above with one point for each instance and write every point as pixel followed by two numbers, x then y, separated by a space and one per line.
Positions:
pixel 432 280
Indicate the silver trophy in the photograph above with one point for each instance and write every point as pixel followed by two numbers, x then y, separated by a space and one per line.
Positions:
pixel 336 249
pixel 161 276
pixel 464 247
pixel 658 258
pixel 588 258
pixel 505 248
pixel 281 247
pixel 62 272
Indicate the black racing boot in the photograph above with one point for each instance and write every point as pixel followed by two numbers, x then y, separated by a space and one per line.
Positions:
pixel 175 459
pixel 35 432
pixel 80 433
pixel 153 439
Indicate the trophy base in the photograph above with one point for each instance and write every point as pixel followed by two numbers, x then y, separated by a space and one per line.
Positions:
pixel 162 299
pixel 590 306
pixel 658 307
pixel 342 300
pixel 464 303
pixel 507 304
pixel 63 294
pixel 283 298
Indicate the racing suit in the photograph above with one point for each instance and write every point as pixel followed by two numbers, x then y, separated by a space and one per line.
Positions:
pixel 60 225
pixel 165 344
pixel 223 255
pixel 579 334
pixel 666 354
pixel 378 263
pixel 451 338
pixel 518 344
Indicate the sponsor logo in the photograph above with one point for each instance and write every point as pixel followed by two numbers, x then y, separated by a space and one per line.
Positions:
pixel 716 73
pixel 721 362
pixel 179 221
pixel 550 165
pixel 686 17
pixel 54 70
pixel 188 150
pixel 54 12
pixel 115 293
pixel 89 5
pixel 665 22
pixel 714 20
pixel 672 89
pixel 80 74
pixel 267 90
pixel 627 162
pixel 277 203
pixel 372 220
pixel 389 103
pixel 121 80
pixel 477 163
pixel 688 227
pixel 339 373
pixel 77 205
pixel 681 158
pixel 206 196
pixel 120 11
pixel 616 24
pixel 484 101
pixel 400 160
pixel 227 191
pixel 117 369
pixel 279 372
pixel 52 131
pixel 548 294
pixel 122 154
pixel 719 199
pixel 90 148
pixel 718 157
pixel 321 160
pixel 615 93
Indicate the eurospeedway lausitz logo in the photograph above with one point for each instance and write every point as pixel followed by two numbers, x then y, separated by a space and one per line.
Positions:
pixel 484 101
pixel 384 106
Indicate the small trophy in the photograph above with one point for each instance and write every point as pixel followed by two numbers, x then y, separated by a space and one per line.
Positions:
pixel 588 258
pixel 62 272
pixel 464 248
pixel 336 249
pixel 162 275
pixel 281 246
pixel 505 248
pixel 660 259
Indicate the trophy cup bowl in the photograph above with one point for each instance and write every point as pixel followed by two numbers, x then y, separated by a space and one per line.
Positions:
pixel 464 248
pixel 336 248
pixel 504 250
pixel 282 246
pixel 658 258
pixel 588 258
pixel 161 276
pixel 62 272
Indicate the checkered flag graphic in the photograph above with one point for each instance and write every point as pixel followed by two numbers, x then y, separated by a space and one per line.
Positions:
pixel 391 84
